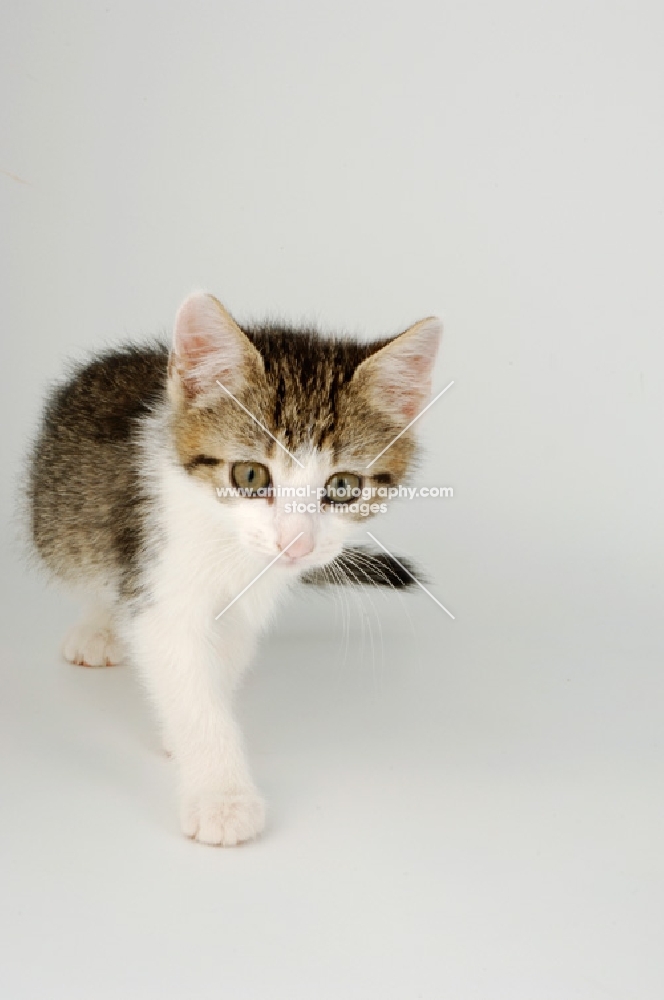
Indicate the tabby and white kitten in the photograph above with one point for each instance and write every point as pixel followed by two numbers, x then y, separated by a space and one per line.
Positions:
pixel 124 503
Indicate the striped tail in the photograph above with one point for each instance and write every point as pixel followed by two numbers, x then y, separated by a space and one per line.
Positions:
pixel 359 566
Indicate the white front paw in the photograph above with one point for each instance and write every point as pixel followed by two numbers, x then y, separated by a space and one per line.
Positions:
pixel 223 818
pixel 90 644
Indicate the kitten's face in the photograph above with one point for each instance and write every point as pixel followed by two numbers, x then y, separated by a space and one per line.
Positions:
pixel 331 405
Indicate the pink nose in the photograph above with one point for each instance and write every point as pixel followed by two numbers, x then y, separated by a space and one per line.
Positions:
pixel 294 547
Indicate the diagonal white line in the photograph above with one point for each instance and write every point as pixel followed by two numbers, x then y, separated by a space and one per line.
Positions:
pixel 257 577
pixel 411 575
pixel 257 421
pixel 409 425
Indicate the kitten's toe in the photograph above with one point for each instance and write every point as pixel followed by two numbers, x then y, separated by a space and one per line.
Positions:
pixel 224 820
pixel 91 646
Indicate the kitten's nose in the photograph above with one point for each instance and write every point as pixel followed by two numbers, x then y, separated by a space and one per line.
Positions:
pixel 288 542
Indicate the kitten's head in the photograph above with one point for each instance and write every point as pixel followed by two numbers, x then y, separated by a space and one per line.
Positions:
pixel 291 420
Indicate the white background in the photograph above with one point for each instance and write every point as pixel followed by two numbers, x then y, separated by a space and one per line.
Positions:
pixel 458 809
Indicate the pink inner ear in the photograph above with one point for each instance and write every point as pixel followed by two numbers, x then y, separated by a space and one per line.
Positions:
pixel 406 400
pixel 207 344
pixel 402 370
pixel 194 346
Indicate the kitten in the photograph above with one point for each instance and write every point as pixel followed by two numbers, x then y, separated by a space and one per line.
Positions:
pixel 129 499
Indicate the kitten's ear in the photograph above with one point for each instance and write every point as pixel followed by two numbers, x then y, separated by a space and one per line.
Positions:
pixel 397 377
pixel 208 347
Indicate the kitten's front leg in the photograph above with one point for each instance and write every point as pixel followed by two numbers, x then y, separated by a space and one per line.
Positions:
pixel 189 672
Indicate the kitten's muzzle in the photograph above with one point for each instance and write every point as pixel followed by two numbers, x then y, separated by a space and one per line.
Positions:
pixel 295 548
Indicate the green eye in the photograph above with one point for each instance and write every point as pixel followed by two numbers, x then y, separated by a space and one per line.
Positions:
pixel 250 477
pixel 342 487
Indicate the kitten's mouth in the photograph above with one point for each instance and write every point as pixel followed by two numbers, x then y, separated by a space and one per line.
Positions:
pixel 308 560
pixel 299 562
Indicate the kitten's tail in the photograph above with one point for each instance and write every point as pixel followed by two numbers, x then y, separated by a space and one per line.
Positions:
pixel 358 566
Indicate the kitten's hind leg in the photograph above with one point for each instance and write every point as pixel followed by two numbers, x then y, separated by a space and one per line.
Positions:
pixel 93 641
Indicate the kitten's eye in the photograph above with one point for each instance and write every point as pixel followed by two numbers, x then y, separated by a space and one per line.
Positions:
pixel 250 477
pixel 342 486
